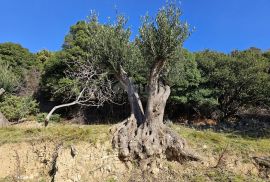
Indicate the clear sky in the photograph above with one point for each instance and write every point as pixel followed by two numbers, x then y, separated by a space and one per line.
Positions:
pixel 222 25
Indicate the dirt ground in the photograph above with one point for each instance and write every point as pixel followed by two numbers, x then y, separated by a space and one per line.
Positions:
pixel 68 161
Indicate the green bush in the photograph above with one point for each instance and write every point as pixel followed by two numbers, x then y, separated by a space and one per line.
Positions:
pixel 8 80
pixel 54 118
pixel 41 117
pixel 15 107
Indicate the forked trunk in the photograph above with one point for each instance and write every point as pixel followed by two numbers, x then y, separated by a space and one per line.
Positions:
pixel 144 137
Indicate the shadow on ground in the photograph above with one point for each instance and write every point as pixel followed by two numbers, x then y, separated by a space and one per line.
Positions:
pixel 246 125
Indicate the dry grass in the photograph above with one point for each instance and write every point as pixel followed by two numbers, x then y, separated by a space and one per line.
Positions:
pixel 66 133
pixel 198 139
pixel 207 143
pixel 218 141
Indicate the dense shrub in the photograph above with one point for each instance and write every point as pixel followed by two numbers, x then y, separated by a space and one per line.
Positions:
pixel 15 108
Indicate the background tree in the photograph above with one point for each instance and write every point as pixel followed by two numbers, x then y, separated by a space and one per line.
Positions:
pixel 185 80
pixel 235 80
pixel 23 65
pixel 17 57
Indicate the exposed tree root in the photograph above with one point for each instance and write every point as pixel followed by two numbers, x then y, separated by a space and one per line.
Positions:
pixel 147 143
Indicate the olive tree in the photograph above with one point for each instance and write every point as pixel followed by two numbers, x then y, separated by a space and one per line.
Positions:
pixel 142 136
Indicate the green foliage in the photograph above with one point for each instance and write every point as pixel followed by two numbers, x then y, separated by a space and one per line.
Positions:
pixel 184 78
pixel 206 80
pixel 15 107
pixel 43 55
pixel 108 46
pixel 21 67
pixel 41 117
pixel 235 80
pixel 267 55
pixel 17 57
pixel 105 46
pixel 53 73
pixel 8 80
pixel 160 38
pixel 55 118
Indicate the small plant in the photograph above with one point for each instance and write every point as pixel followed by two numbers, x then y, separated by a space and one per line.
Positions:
pixel 55 118
pixel 41 117
pixel 15 108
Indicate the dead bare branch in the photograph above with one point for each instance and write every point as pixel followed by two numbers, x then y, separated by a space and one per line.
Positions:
pixel 95 87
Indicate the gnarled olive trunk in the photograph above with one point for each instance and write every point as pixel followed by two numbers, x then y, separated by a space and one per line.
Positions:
pixel 143 136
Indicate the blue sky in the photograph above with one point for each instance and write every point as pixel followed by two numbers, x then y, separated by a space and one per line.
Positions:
pixel 221 25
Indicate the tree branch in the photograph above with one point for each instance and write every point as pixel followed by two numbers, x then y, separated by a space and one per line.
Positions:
pixel 133 97
pixel 47 119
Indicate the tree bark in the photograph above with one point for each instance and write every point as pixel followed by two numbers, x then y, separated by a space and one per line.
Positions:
pixel 133 96
pixel 148 139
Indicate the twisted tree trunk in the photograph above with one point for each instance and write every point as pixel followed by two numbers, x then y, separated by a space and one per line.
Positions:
pixel 143 136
